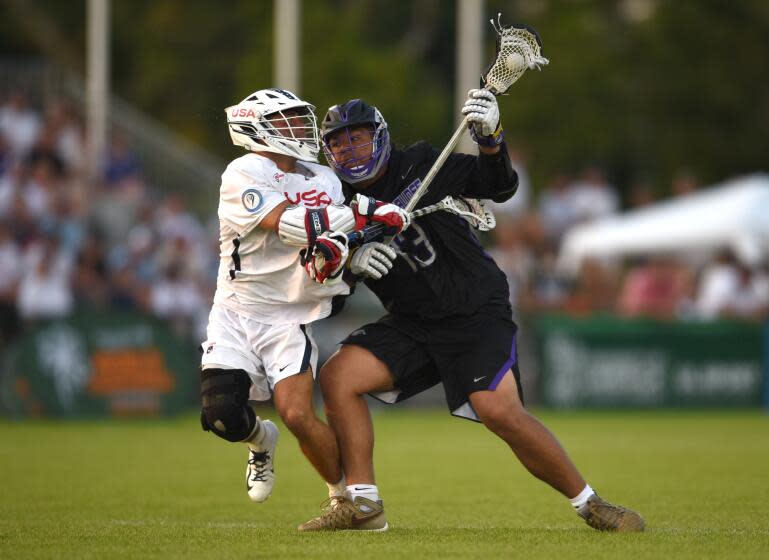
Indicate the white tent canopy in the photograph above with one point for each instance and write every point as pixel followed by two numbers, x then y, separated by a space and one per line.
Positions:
pixel 734 215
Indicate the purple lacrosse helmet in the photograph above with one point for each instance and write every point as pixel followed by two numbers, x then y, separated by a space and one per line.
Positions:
pixel 352 114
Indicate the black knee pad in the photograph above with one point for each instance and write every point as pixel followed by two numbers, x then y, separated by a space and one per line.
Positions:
pixel 226 412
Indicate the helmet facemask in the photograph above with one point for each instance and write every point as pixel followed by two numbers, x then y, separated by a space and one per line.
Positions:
pixel 297 124
pixel 354 160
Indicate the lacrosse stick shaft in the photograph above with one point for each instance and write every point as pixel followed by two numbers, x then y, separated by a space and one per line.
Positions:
pixel 518 48
pixel 453 141
pixel 369 233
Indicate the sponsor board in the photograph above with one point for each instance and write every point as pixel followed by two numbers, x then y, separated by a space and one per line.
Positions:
pixel 612 362
pixel 99 364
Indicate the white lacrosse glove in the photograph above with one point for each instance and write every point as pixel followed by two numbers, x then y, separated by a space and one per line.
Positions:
pixel 482 114
pixel 370 210
pixel 325 260
pixel 372 260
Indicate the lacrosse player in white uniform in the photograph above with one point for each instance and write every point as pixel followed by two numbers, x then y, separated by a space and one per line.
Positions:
pixel 273 202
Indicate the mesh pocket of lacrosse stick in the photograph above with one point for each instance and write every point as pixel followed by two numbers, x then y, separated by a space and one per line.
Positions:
pixel 471 209
pixel 519 48
pixel 475 212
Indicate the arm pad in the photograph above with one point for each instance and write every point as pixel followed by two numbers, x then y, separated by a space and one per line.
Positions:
pixel 300 226
pixel 497 169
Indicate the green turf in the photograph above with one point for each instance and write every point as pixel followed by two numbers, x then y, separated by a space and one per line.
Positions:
pixel 165 489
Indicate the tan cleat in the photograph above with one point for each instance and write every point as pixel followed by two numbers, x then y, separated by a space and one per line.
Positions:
pixel 603 516
pixel 340 514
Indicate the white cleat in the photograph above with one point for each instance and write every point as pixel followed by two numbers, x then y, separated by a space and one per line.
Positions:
pixel 260 471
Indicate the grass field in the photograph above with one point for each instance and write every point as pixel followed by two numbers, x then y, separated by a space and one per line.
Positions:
pixel 165 489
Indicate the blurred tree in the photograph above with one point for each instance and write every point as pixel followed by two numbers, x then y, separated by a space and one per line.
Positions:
pixel 643 87
pixel 30 26
pixel 710 85
pixel 185 61
pixel 344 59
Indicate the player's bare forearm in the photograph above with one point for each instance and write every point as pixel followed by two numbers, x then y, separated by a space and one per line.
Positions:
pixel 272 220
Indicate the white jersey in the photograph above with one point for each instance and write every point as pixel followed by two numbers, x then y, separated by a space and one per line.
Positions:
pixel 258 274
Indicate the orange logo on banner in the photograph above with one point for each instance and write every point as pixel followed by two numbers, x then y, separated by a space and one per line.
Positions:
pixel 129 370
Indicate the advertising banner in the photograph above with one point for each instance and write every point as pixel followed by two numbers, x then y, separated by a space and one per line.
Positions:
pixel 615 362
pixel 94 364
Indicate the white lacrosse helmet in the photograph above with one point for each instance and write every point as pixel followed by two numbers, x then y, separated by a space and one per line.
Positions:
pixel 266 121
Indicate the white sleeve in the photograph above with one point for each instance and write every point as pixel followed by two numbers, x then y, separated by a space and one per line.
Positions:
pixel 337 194
pixel 245 201
pixel 332 184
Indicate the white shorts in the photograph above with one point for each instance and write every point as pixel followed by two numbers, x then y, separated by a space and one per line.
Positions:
pixel 268 353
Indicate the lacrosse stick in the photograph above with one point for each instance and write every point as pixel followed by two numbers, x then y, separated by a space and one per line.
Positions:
pixel 474 211
pixel 518 48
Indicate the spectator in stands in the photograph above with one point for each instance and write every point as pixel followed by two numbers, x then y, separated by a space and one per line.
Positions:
pixel 173 220
pixel 729 288
pixel 45 151
pixel 547 289
pixel 123 293
pixel 41 188
pixel 175 297
pixel 5 156
pixel 42 206
pixel 11 187
pixel 592 195
pixel 641 195
pixel 556 207
pixel 65 222
pixel 10 274
pixel 138 252
pixel 62 118
pixel 657 287
pixel 46 291
pixel 178 251
pixel 594 291
pixel 512 253
pixel 23 224
pixel 19 124
pixel 750 301
pixel 760 283
pixel 684 182
pixel 91 273
pixel 122 164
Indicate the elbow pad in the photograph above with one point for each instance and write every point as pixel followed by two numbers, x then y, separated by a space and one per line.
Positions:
pixel 498 170
pixel 300 226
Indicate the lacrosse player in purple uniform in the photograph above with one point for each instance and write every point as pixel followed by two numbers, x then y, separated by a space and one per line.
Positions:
pixel 449 319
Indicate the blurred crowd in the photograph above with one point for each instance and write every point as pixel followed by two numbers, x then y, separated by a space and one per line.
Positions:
pixel 529 234
pixel 68 244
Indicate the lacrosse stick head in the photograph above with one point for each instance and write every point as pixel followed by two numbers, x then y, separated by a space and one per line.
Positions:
pixel 475 212
pixel 519 48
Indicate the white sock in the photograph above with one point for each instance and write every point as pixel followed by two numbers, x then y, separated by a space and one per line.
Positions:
pixel 338 489
pixel 257 436
pixel 369 491
pixel 579 502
